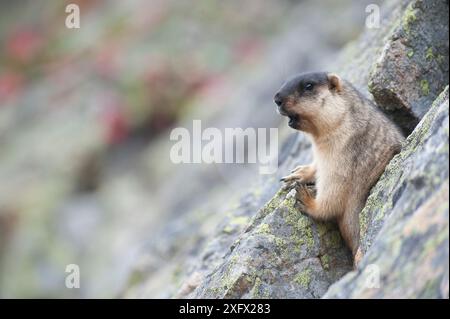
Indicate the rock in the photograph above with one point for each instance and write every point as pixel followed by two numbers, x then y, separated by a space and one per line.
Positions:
pixel 309 255
pixel 413 66
pixel 356 61
pixel 412 176
pixel 405 226
pixel 265 247
pixel 217 231
pixel 281 254
pixel 200 238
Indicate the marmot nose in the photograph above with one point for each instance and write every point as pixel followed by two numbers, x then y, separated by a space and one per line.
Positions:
pixel 278 99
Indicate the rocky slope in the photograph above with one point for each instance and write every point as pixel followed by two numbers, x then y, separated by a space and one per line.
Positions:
pixel 202 222
pixel 404 225
pixel 266 248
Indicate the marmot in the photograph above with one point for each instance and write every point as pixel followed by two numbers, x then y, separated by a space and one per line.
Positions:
pixel 352 141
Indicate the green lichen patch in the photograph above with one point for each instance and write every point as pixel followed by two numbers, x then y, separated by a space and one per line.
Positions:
pixel 235 222
pixel 273 204
pixel 325 261
pixel 425 87
pixel 263 229
pixel 301 225
pixel 440 59
pixel 409 17
pixel 258 291
pixel 303 278
pixel 429 55
pixel 304 227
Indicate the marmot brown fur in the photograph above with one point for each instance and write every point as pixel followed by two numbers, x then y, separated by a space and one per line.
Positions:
pixel 352 141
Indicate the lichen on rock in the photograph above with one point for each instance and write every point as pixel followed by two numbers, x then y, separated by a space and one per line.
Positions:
pixel 404 231
pixel 417 169
pixel 266 248
pixel 279 240
pixel 283 253
pixel 413 66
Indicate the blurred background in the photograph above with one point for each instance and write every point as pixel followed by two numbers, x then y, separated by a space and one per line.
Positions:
pixel 85 117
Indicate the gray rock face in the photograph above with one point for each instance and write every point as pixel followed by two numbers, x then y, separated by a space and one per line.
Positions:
pixel 413 66
pixel 281 254
pixel 405 226
pixel 266 248
pixel 202 240
pixel 275 253
pixel 413 176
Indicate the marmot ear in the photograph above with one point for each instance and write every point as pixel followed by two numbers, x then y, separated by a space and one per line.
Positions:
pixel 334 82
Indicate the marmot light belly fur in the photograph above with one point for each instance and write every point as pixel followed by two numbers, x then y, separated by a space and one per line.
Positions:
pixel 352 143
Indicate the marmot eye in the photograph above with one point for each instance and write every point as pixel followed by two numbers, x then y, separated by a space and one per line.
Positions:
pixel 308 86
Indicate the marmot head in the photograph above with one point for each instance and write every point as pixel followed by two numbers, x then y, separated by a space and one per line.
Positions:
pixel 311 101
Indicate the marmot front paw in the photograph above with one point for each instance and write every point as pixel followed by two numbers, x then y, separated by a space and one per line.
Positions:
pixel 302 174
pixel 305 199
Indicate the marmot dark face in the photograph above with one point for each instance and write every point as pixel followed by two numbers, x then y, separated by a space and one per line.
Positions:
pixel 311 100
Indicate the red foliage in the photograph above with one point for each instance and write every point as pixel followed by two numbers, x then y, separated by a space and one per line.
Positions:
pixel 106 61
pixel 10 85
pixel 23 45
pixel 247 49
pixel 115 123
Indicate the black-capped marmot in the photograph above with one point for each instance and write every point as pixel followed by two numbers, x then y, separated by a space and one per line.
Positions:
pixel 352 143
